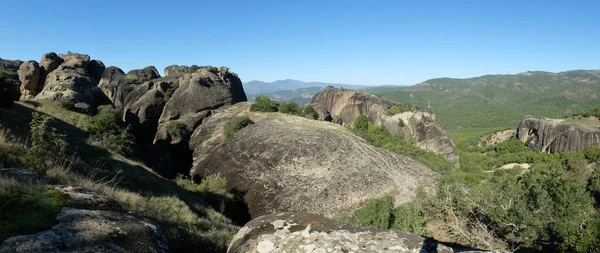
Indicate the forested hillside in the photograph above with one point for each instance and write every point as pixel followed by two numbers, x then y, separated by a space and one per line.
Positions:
pixel 501 100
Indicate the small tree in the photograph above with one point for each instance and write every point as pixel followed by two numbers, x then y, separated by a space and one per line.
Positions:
pixel 289 108
pixel 310 112
pixel 47 144
pixel 264 104
pixel 361 123
pixel 235 125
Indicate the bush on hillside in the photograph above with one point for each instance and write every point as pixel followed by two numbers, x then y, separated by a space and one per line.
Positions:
pixel 235 125
pixel 177 129
pixel 399 109
pixel 107 130
pixel 264 104
pixel 47 144
pixel 289 108
pixel 309 112
pixel 7 85
pixel 361 123
pixel 376 213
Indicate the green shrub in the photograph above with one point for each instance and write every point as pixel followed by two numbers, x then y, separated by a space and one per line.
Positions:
pixel 592 154
pixel 594 186
pixel 235 125
pixel 47 144
pixel 193 68
pixel 264 104
pixel 289 108
pixel 177 129
pixel 309 112
pixel 169 92
pixel 376 213
pixel 399 109
pixel 408 218
pixel 400 123
pixel 361 123
pixel 107 129
pixel 27 207
pixel 7 86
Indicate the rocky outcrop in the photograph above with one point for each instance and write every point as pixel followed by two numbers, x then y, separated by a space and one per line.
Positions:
pixel 305 232
pixel 496 138
pixel 344 105
pixel 547 135
pixel 29 75
pixel 206 89
pixel 74 82
pixel 176 70
pixel 117 85
pixel 289 163
pixel 49 63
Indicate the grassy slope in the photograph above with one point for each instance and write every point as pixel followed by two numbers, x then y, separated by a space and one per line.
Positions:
pixel 501 100
pixel 190 222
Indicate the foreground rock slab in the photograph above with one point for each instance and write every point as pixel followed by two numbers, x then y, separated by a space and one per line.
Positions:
pixel 304 232
pixel 82 230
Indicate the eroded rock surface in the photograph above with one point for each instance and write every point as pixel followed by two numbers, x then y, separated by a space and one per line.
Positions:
pixel 344 105
pixel 73 81
pixel 289 163
pixel 29 75
pixel 81 230
pixel 554 136
pixel 117 85
pixel 305 232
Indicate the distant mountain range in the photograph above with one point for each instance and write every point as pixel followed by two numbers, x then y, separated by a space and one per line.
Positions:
pixel 260 87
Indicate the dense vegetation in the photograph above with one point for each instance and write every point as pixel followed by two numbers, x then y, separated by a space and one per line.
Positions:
pixel 265 104
pixel 7 85
pixel 551 206
pixel 500 100
pixel 108 130
pixel 379 136
pixel 235 125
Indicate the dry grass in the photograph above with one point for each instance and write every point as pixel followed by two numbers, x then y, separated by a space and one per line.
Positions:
pixel 184 226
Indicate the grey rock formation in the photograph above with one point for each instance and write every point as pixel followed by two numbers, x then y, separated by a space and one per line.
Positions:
pixel 80 197
pixel 117 85
pixel 81 230
pixel 72 82
pixel 344 105
pixel 96 69
pixel 290 163
pixel 305 232
pixel 176 70
pixel 49 63
pixel 496 138
pixel 29 75
pixel 547 135
pixel 206 89
pixel 143 75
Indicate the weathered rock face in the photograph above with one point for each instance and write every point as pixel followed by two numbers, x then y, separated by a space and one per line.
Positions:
pixel 344 105
pixel 289 163
pixel 555 136
pixel 29 75
pixel 304 232
pixel 203 90
pixel 73 82
pixel 117 85
pixel 496 138
pixel 176 70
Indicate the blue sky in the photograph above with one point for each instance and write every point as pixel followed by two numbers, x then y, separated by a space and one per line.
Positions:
pixel 353 42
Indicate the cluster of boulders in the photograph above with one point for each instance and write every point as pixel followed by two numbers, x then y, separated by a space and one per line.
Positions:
pixel 343 106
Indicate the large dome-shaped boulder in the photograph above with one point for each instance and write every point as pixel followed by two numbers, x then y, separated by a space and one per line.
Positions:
pixel 29 75
pixel 290 163
pixel 206 89
pixel 143 75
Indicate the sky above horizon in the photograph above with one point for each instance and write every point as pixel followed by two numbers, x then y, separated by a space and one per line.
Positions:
pixel 351 42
